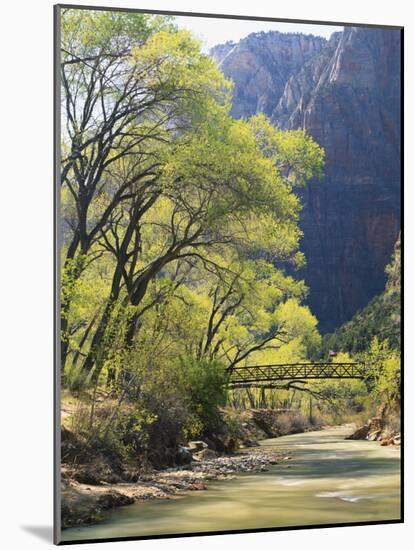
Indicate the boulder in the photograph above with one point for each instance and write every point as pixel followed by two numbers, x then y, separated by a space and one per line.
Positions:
pixel 196 446
pixel 183 456
pixel 374 436
pixel 113 500
pixel 376 424
pixel 95 473
pixel 360 433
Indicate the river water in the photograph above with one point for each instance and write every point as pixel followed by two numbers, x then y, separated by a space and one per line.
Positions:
pixel 328 480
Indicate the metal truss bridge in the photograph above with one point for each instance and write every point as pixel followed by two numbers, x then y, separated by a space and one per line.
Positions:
pixel 265 375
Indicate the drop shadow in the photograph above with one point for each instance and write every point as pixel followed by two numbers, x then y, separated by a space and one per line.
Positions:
pixel 42 532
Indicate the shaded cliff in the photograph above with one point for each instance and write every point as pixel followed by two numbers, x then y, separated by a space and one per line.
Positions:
pixel 346 95
pixel 380 318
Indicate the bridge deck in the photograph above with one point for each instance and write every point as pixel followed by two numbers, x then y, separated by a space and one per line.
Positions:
pixel 241 376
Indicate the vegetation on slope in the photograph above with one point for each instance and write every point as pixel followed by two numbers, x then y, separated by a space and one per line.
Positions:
pixel 380 319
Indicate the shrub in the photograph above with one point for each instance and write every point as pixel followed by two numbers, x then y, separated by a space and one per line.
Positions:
pixel 203 387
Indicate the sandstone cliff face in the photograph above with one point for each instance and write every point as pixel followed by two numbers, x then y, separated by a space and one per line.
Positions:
pixel 347 96
pixel 300 88
pixel 260 65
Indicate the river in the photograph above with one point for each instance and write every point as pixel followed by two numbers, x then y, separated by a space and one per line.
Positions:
pixel 328 480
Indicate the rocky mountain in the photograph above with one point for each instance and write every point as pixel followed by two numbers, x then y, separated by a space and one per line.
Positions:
pixel 260 66
pixel 345 92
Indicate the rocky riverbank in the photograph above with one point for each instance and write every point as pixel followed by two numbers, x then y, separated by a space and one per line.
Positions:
pixel 384 428
pixel 84 503
pixel 95 480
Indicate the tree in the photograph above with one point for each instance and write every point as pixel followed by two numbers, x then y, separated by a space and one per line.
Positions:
pixel 217 188
pixel 128 87
pixel 159 183
pixel 384 371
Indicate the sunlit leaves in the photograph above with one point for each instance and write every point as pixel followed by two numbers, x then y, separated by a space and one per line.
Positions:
pixel 384 369
pixel 175 214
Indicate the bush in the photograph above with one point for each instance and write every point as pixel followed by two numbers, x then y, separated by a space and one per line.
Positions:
pixel 203 389
pixel 384 369
pixel 299 423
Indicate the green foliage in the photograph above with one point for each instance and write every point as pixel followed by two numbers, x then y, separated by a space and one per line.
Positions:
pixel 344 398
pixel 90 31
pixel 341 399
pixel 174 218
pixel 384 370
pixel 295 154
pixel 203 386
pixel 132 429
pixel 124 435
pixel 381 319
pixel 75 379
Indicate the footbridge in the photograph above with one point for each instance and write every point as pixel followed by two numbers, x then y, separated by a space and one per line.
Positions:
pixel 245 376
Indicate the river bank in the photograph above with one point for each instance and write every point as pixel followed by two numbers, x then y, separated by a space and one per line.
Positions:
pixel 384 427
pixel 92 484
pixel 84 503
pixel 328 480
pixel 94 481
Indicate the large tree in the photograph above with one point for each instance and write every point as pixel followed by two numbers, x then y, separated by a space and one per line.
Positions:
pixel 158 182
pixel 130 84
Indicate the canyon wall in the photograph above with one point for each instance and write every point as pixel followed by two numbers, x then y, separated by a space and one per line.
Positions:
pixel 345 92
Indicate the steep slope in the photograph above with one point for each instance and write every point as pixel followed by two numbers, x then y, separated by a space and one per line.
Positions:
pixel 260 66
pixel 301 87
pixel 347 96
pixel 380 318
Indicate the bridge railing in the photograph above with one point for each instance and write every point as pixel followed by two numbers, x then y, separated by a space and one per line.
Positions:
pixel 295 371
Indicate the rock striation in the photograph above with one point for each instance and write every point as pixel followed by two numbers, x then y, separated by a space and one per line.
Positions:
pixel 260 66
pixel 345 92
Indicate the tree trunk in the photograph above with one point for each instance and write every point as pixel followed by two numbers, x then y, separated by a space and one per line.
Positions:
pixel 95 354
pixel 66 301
